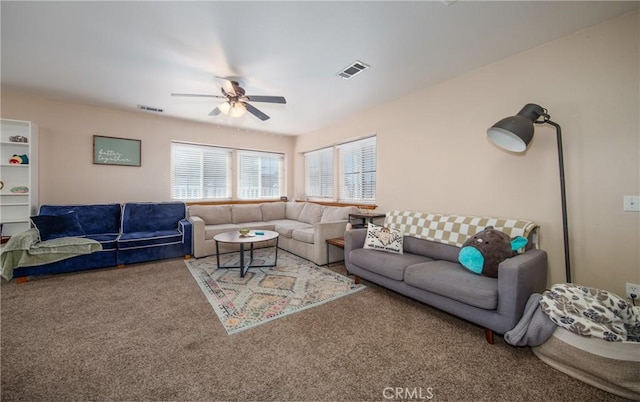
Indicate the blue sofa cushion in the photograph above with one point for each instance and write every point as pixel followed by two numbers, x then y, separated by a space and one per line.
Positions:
pixel 150 217
pixel 147 239
pixel 55 226
pixel 108 241
pixel 95 219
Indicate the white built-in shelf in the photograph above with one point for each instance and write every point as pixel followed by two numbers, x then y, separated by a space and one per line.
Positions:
pixel 17 208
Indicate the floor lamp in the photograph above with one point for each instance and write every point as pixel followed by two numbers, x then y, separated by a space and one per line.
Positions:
pixel 514 134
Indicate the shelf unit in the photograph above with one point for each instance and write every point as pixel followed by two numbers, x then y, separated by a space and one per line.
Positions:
pixel 17 207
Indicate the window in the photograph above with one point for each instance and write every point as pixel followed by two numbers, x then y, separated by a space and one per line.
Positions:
pixel 259 175
pixel 319 173
pixel 200 172
pixel 356 175
pixel 357 170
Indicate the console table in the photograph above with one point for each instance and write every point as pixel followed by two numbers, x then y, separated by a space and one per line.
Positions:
pixel 364 218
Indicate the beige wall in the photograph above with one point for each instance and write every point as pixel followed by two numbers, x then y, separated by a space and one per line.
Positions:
pixel 67 172
pixel 433 154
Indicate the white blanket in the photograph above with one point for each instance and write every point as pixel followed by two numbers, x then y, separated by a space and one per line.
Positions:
pixel 592 312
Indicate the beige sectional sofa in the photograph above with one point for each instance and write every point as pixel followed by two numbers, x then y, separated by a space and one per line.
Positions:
pixel 303 226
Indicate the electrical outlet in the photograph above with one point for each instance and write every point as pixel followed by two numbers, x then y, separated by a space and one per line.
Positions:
pixel 633 288
pixel 632 203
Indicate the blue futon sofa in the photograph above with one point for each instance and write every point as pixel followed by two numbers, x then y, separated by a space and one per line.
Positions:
pixel 129 233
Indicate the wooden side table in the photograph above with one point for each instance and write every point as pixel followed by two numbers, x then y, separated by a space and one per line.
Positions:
pixel 337 242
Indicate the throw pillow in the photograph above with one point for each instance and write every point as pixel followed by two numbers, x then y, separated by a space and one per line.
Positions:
pixel 483 252
pixel 384 239
pixel 55 226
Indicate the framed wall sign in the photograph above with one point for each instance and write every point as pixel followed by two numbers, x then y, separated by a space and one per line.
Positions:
pixel 116 151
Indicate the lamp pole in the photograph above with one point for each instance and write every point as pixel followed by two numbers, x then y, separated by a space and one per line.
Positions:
pixel 563 193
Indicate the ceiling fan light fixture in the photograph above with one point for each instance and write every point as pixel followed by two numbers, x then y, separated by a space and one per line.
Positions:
pixel 225 107
pixel 238 110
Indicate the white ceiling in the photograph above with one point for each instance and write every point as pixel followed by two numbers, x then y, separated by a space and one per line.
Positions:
pixel 121 54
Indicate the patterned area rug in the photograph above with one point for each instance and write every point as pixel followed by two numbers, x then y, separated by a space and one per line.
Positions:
pixel 265 294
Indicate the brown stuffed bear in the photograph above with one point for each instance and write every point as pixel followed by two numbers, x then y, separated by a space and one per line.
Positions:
pixel 484 251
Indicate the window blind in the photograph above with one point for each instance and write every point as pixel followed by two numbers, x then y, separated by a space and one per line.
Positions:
pixel 357 170
pixel 200 172
pixel 319 173
pixel 260 175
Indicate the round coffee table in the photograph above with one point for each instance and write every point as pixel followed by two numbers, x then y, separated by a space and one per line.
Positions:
pixel 254 236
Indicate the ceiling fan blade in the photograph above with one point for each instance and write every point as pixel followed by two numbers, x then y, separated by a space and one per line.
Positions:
pixel 228 86
pixel 214 112
pixel 199 95
pixel 251 109
pixel 269 99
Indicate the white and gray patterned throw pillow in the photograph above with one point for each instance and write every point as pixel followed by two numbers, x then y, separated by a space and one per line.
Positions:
pixel 384 239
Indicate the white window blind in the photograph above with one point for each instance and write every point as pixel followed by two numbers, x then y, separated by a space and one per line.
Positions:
pixel 358 170
pixel 200 172
pixel 260 175
pixel 319 173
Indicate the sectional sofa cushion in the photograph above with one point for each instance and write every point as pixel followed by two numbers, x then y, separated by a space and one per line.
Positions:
pixel 245 213
pixel 55 226
pixel 293 210
pixel 451 280
pixel 303 235
pixel 311 213
pixel 151 216
pixel 212 230
pixel 272 211
pixel 95 219
pixel 212 214
pixel 148 239
pixel 332 214
pixel 286 228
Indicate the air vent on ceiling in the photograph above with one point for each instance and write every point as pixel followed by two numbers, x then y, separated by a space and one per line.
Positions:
pixel 352 70
pixel 150 109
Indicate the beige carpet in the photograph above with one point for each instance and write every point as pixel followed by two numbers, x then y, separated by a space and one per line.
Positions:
pixel 147 332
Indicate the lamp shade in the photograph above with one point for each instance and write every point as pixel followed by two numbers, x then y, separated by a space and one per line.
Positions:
pixel 238 109
pixel 515 133
pixel 225 107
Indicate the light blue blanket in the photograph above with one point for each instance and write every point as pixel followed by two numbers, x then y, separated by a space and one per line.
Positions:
pixel 25 250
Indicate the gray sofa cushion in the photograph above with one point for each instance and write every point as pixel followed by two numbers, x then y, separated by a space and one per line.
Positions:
pixel 435 250
pixel 386 264
pixel 332 214
pixel 212 214
pixel 273 210
pixel 311 213
pixel 453 281
pixel 246 213
pixel 293 209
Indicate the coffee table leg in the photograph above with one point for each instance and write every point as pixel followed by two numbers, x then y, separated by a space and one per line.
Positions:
pixel 217 255
pixel 243 269
pixel 275 262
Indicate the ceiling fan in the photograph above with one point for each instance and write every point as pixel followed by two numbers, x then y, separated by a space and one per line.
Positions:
pixel 235 103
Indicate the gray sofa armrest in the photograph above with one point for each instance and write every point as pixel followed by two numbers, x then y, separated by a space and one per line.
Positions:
pixel 353 239
pixel 518 278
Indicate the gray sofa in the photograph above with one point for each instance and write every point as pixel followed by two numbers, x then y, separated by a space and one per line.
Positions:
pixel 428 271
pixel 304 227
